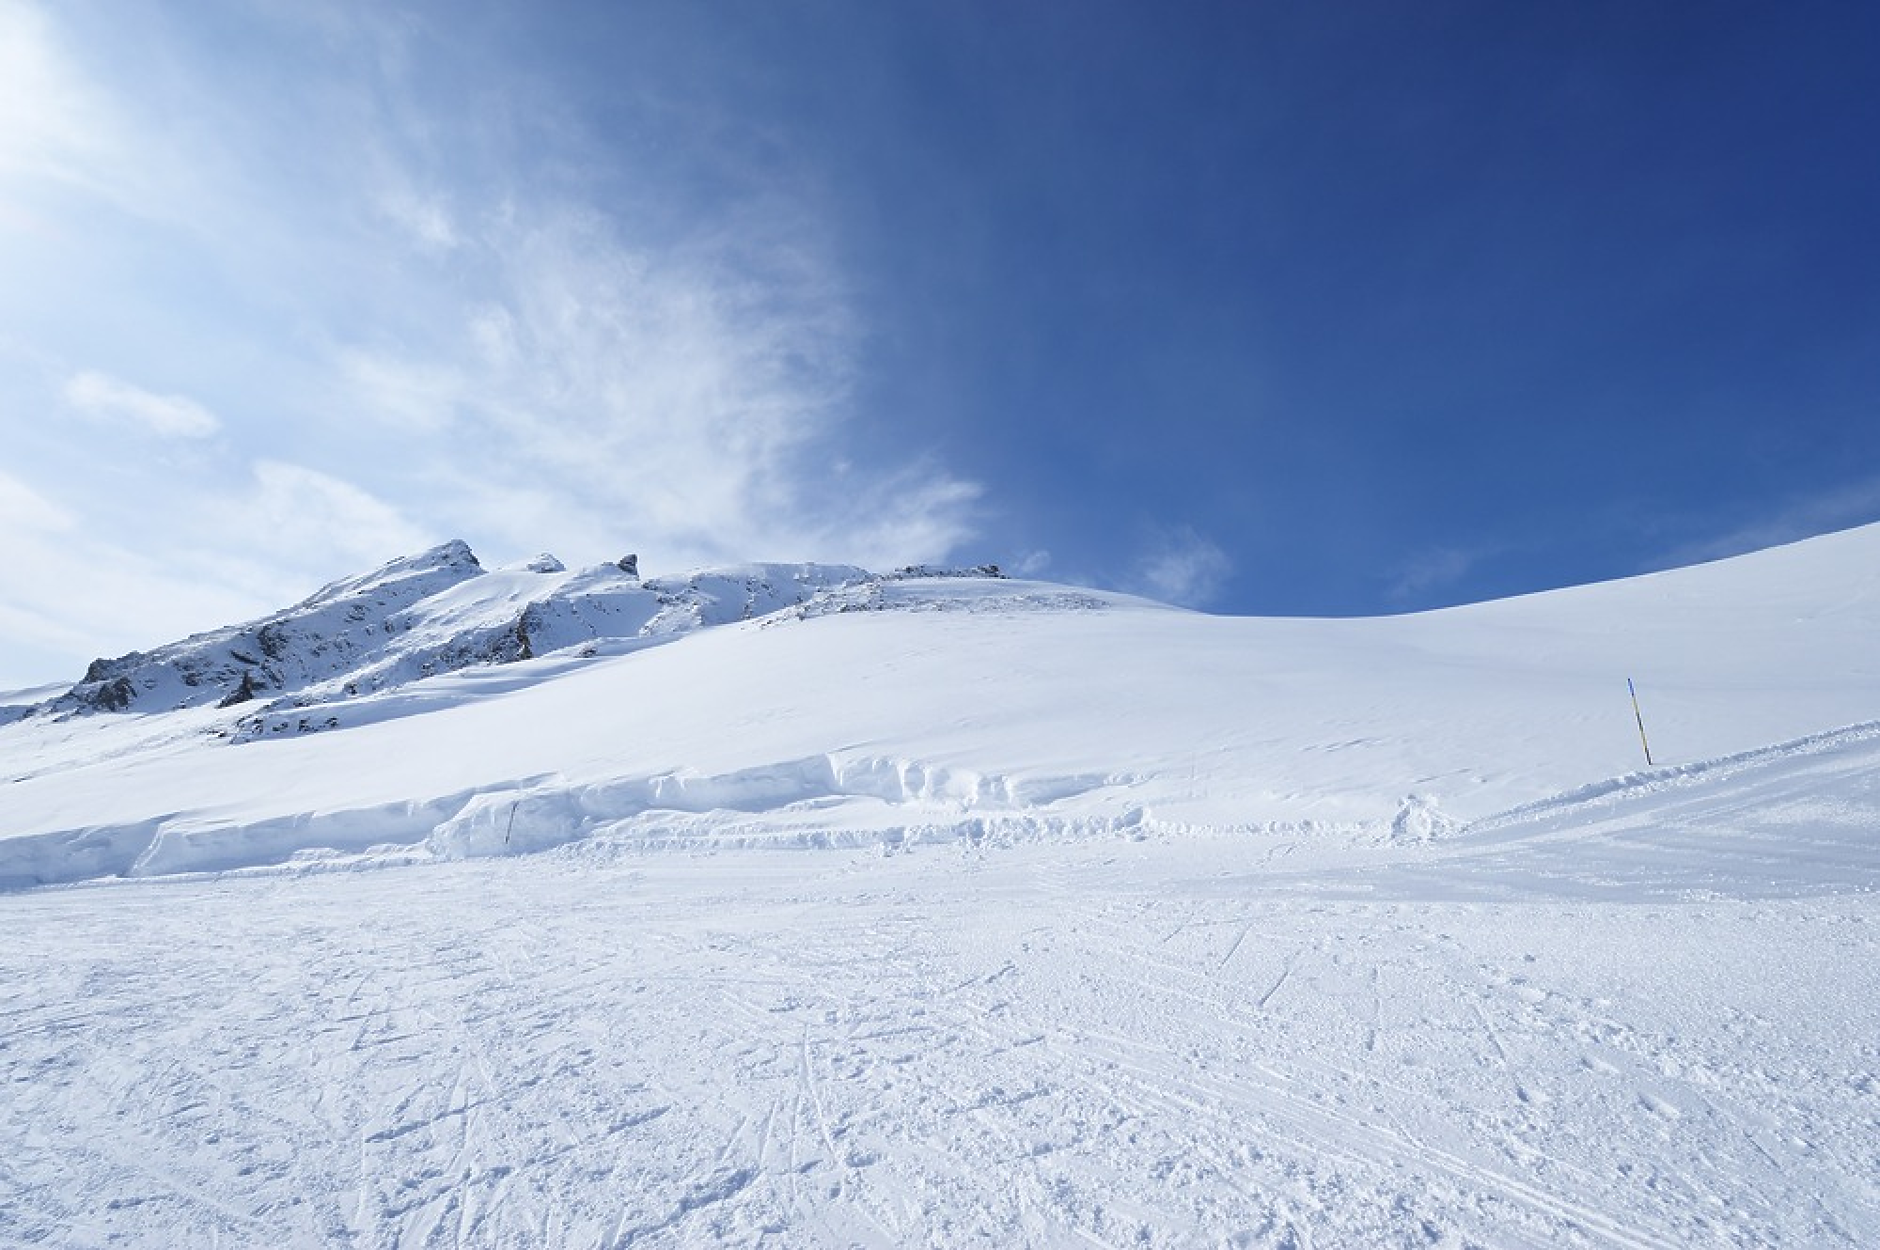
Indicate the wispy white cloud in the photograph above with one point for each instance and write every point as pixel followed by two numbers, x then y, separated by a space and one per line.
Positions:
pixel 170 416
pixel 72 593
pixel 1031 563
pixel 419 313
pixel 426 219
pixel 287 508
pixel 73 138
pixel 695 398
pixel 1179 565
pixel 1842 507
pixel 390 386
pixel 917 514
pixel 22 508
pixel 52 124
pixel 1432 570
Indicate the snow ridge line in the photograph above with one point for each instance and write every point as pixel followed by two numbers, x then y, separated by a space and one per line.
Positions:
pixel 186 843
pixel 814 802
pixel 1646 781
pixel 790 802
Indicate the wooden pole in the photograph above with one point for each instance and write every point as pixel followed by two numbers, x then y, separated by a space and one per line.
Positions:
pixel 1640 718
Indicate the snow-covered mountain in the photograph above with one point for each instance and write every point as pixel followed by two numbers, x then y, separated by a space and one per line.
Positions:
pixel 298 670
pixel 1111 923
pixel 435 612
pixel 483 712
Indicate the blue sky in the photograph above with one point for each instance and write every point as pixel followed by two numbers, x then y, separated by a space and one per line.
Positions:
pixel 1265 308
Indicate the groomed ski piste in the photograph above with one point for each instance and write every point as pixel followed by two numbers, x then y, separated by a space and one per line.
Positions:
pixel 791 905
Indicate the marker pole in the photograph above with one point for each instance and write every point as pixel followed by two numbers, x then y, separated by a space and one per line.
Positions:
pixel 1640 718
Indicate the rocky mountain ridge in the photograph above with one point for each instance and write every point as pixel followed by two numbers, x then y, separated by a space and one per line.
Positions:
pixel 438 612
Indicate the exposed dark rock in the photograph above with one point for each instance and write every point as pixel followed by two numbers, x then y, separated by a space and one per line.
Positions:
pixel 108 696
pixel 102 669
pixel 242 693
pixel 272 639
pixel 529 621
pixel 930 570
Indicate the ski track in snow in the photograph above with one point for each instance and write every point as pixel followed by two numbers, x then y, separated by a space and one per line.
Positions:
pixel 1100 1042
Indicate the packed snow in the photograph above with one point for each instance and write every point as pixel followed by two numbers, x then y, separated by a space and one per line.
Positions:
pixel 801 906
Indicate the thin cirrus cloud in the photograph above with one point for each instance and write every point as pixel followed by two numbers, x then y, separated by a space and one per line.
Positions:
pixel 297 507
pixel 690 398
pixel 168 416
pixel 421 326
pixel 1180 565
pixel 67 587
pixel 1433 570
pixel 635 367
pixel 427 220
pixel 1855 503
pixel 49 122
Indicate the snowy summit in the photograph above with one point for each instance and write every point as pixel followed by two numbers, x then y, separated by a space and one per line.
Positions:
pixel 452 904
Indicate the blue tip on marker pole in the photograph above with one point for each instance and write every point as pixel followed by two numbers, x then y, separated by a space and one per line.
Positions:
pixel 1640 718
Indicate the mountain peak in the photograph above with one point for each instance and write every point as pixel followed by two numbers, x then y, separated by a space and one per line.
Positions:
pixel 420 574
pixel 438 611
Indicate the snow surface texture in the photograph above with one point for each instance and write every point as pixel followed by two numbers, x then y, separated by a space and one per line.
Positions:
pixel 1128 926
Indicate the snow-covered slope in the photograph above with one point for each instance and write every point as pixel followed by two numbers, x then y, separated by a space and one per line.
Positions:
pixel 804 704
pixel 1125 926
